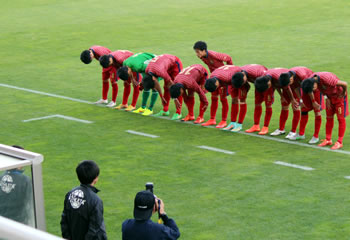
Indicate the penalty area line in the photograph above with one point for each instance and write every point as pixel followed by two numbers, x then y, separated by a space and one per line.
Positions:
pixel 58 116
pixel 216 149
pixel 141 134
pixel 294 166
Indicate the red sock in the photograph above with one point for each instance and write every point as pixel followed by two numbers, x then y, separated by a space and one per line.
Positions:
pixel 135 95
pixel 303 121
pixel 329 127
pixel 341 130
pixel 178 110
pixel 242 112
pixel 114 91
pixel 214 107
pixel 234 112
pixel 268 115
pixel 167 99
pixel 190 106
pixel 296 119
pixel 257 114
pixel 105 88
pixel 224 112
pixel 126 93
pixel 318 121
pixel 201 112
pixel 283 119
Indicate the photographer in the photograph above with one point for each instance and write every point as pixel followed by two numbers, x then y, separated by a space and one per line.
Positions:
pixel 142 227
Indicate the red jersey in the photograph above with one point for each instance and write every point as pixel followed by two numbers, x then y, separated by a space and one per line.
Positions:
pixel 162 65
pixel 215 60
pixel 119 57
pixel 192 77
pixel 301 73
pixel 225 73
pixel 275 73
pixel 254 71
pixel 99 51
pixel 328 84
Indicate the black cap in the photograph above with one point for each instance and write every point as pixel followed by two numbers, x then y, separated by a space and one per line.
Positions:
pixel 143 205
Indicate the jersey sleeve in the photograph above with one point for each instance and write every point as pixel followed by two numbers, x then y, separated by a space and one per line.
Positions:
pixel 201 94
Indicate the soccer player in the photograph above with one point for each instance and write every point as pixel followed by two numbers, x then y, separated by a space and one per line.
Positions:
pixel 107 73
pixel 336 103
pixel 240 83
pixel 290 83
pixel 219 83
pixel 191 80
pixel 311 100
pixel 213 59
pixel 115 60
pixel 138 63
pixel 265 87
pixel 164 66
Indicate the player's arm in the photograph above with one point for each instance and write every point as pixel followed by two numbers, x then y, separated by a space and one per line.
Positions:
pixel 295 104
pixel 278 89
pixel 315 105
pixel 131 76
pixel 158 88
pixel 202 97
pixel 344 85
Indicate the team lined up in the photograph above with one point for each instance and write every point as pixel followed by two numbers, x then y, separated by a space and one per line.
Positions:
pixel 299 87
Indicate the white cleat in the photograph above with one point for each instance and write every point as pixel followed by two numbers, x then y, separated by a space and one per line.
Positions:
pixel 292 136
pixel 111 104
pixel 314 140
pixel 101 101
pixel 300 137
pixel 278 132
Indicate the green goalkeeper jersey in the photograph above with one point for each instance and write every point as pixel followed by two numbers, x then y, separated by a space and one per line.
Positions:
pixel 139 61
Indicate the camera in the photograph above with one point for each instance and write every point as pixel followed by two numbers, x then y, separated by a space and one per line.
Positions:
pixel 149 187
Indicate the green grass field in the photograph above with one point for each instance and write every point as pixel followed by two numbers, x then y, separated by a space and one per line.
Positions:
pixel 210 195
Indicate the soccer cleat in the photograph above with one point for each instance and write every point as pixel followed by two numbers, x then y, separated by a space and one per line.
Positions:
pixel 176 116
pixel 337 145
pixel 209 122
pixel 254 128
pixel 277 132
pixel 264 131
pixel 300 137
pixel 199 120
pixel 111 104
pixel 221 124
pixel 292 136
pixel 139 110
pixel 237 128
pixel 102 101
pixel 121 106
pixel 325 142
pixel 130 108
pixel 231 125
pixel 147 112
pixel 188 118
pixel 314 140
pixel 162 113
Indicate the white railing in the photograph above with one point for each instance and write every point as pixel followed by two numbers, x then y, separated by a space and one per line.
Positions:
pixel 11 230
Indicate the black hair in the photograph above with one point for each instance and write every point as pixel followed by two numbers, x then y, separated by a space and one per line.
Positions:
pixel 87 171
pixel 237 79
pixel 147 82
pixel 175 90
pixel 210 84
pixel 123 73
pixel 104 61
pixel 284 79
pixel 85 56
pixel 308 85
pixel 261 83
pixel 200 45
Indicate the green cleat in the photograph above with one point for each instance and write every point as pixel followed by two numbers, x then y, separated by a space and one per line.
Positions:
pixel 176 116
pixel 237 128
pixel 162 113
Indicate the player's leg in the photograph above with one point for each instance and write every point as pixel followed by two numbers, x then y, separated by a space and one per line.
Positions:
pixel 213 108
pixel 165 110
pixel 225 108
pixel 200 117
pixel 284 116
pixel 136 92
pixel 339 105
pixel 190 106
pixel 126 93
pixel 113 80
pixel 242 111
pixel 235 92
pixel 259 98
pixel 105 87
pixel 329 124
pixel 177 115
pixel 269 99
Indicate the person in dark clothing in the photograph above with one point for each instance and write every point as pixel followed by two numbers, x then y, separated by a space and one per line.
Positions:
pixel 142 227
pixel 82 217
pixel 16 196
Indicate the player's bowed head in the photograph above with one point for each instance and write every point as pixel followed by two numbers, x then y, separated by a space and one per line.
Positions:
pixel 106 61
pixel 286 79
pixel 86 57
pixel 123 73
pixel 211 84
pixel 308 85
pixel 238 79
pixel 176 90
pixel 262 83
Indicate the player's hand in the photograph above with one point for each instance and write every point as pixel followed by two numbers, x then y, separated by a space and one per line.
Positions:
pixel 164 102
pixel 135 83
pixel 204 108
pixel 177 103
pixel 302 105
pixel 316 106
pixel 295 104
pixel 161 207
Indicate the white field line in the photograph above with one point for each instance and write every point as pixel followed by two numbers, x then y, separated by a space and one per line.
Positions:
pixel 216 149
pixel 59 116
pixel 347 177
pixel 294 166
pixel 167 118
pixel 142 134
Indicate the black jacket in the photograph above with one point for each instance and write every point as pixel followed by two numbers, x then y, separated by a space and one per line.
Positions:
pixel 148 230
pixel 82 216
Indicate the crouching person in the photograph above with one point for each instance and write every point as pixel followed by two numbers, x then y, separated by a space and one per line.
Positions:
pixel 142 227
